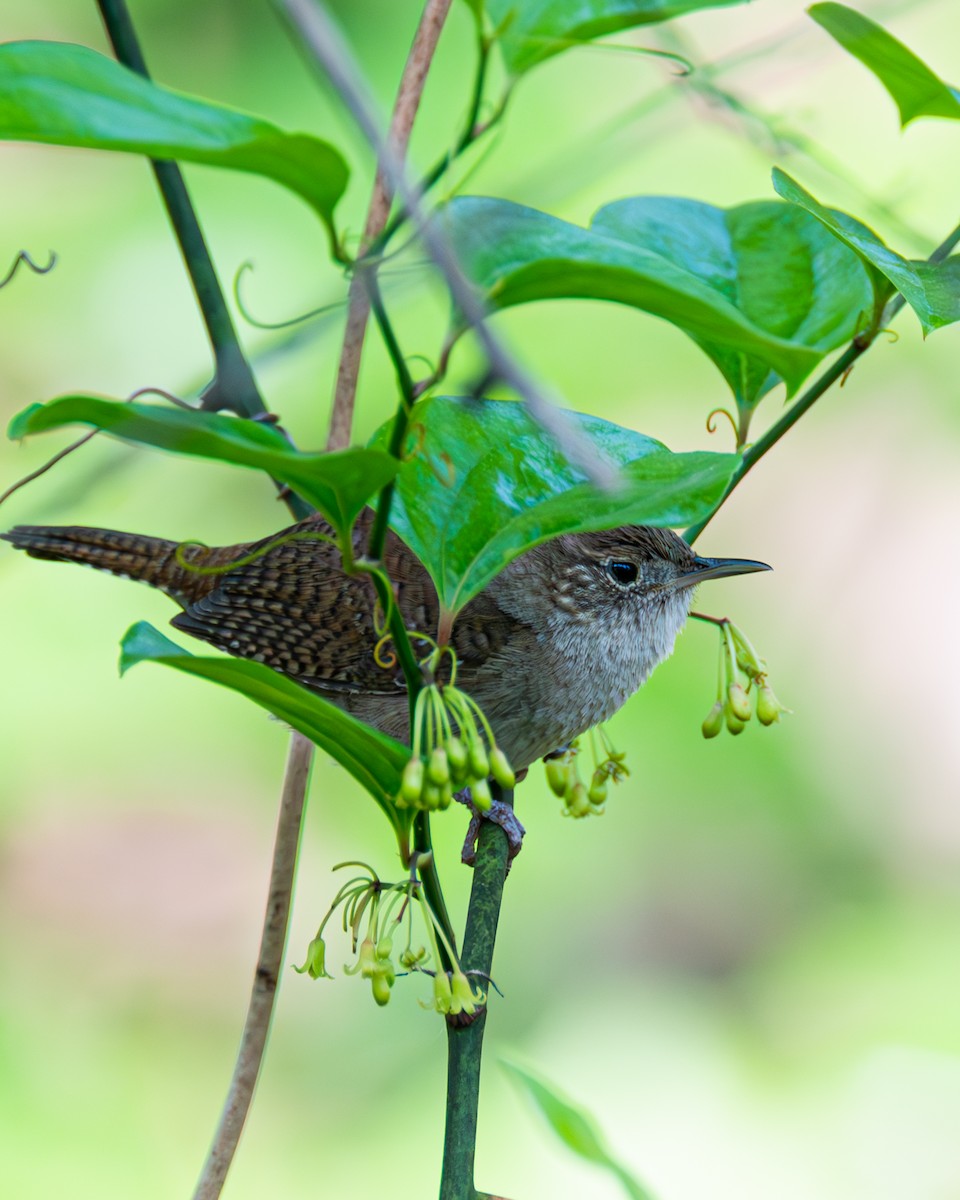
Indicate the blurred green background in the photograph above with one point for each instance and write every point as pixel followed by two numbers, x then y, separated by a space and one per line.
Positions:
pixel 748 969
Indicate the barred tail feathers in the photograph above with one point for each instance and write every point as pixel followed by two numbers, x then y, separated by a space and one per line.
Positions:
pixel 130 555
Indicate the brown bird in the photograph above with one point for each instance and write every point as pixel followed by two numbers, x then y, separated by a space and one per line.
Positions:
pixel 553 645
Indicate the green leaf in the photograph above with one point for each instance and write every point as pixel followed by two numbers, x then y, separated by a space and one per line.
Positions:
pixel 72 96
pixel 338 484
pixel 482 483
pixel 518 254
pixel 373 759
pixel 916 90
pixel 534 30
pixel 929 288
pixel 574 1127
pixel 774 262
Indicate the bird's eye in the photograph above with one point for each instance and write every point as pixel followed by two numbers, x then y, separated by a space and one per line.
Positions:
pixel 623 573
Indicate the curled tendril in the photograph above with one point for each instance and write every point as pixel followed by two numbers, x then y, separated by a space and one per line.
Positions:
pixel 24 259
pixel 81 441
pixel 891 334
pixel 722 412
pixel 388 661
pixel 289 322
pixel 296 535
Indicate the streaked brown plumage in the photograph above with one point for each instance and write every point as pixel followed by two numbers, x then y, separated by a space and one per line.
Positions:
pixel 554 644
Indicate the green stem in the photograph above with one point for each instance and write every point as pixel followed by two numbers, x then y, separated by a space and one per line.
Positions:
pixel 836 371
pixel 233 386
pixel 465 1042
pixel 422 841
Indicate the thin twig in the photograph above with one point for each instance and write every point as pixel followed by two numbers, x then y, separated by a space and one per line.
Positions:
pixel 404 112
pixel 837 371
pixel 272 944
pixel 324 42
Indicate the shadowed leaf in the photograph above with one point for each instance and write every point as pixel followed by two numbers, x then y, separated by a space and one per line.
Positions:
pixel 337 483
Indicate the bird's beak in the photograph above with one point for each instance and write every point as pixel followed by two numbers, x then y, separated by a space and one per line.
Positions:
pixel 716 568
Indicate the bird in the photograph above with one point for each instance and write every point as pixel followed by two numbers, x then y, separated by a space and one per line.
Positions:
pixel 553 645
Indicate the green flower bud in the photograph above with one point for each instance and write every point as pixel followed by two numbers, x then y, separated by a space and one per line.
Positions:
pixel 734 724
pixel 412 782
pixel 769 707
pixel 431 797
pixel 368 958
pixel 464 998
pixel 578 801
pixel 479 763
pixel 442 993
pixel 480 791
pixel 381 990
pixel 738 702
pixel 500 768
pixel 410 959
pixel 713 721
pixel 457 757
pixel 598 787
pixel 314 964
pixel 438 768
pixel 558 775
pixel 446 796
pixel 384 947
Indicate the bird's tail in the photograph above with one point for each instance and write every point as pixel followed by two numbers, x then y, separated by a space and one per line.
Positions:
pixel 131 555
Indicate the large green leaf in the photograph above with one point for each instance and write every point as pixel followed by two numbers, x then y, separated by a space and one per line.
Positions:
pixel 483 483
pixel 338 483
pixel 373 759
pixel 916 90
pixel 72 96
pixel 774 262
pixel 532 30
pixel 574 1127
pixel 518 254
pixel 931 289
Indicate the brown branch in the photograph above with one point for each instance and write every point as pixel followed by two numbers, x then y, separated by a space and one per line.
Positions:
pixel 272 943
pixel 358 312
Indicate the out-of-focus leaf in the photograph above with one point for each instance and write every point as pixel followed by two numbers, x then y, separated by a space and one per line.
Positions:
pixel 916 90
pixel 929 288
pixel 482 483
pixel 574 1127
pixel 518 254
pixel 373 759
pixel 72 96
pixel 533 30
pixel 338 483
pixel 774 262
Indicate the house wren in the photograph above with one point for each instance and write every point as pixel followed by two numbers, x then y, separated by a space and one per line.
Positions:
pixel 553 645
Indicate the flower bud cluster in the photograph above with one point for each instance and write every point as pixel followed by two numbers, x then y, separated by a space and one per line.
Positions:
pixel 380 911
pixel 453 748
pixel 564 780
pixel 733 709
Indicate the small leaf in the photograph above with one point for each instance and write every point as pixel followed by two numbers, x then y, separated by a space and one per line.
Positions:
pixel 929 288
pixel 482 483
pixel 534 30
pixel 916 90
pixel 72 96
pixel 338 484
pixel 518 254
pixel 373 759
pixel 574 1127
